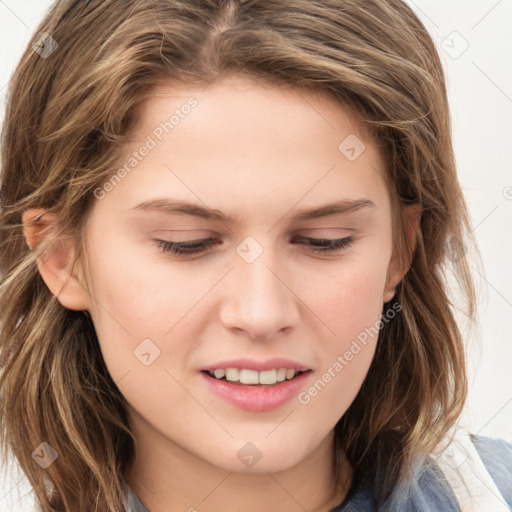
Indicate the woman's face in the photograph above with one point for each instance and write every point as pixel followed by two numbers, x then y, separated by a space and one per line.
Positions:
pixel 249 162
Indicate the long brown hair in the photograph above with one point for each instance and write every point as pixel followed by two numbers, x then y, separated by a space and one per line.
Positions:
pixel 70 107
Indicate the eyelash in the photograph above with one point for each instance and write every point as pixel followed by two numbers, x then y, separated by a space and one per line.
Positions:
pixel 200 246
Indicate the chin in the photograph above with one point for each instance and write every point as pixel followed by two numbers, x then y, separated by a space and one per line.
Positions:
pixel 260 457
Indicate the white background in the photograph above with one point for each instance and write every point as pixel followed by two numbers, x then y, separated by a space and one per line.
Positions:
pixel 480 92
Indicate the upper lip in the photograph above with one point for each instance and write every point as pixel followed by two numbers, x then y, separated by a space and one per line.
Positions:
pixel 260 366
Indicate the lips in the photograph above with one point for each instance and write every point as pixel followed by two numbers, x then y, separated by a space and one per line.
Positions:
pixel 259 366
pixel 256 397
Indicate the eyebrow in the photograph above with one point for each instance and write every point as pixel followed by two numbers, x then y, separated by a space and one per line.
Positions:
pixel 169 206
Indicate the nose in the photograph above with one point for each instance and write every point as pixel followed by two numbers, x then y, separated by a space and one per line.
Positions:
pixel 259 300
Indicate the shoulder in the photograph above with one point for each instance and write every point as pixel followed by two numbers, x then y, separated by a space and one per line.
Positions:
pixel 473 458
pixel 430 491
pixel 496 454
pixel 426 492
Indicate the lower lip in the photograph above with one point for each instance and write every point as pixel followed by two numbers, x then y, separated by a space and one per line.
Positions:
pixel 257 398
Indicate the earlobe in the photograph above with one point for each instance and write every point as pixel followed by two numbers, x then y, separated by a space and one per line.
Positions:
pixel 412 216
pixel 392 279
pixel 55 259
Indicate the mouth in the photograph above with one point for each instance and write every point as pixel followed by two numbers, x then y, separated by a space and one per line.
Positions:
pixel 255 391
pixel 248 377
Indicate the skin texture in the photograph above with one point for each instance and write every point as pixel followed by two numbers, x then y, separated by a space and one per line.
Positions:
pixel 260 153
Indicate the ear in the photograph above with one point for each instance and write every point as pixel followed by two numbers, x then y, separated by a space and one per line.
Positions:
pixel 412 216
pixel 55 260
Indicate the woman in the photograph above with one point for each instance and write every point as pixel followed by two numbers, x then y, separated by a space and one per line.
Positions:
pixel 223 243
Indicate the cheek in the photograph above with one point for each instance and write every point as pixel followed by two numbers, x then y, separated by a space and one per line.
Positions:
pixel 136 301
pixel 350 298
pixel 141 289
pixel 350 303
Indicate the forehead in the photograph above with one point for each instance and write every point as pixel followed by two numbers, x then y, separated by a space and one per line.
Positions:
pixel 240 143
pixel 259 97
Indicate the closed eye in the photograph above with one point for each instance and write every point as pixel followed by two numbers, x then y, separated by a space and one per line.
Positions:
pixel 192 247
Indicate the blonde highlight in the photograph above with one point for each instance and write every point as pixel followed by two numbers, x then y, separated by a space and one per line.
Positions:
pixel 67 118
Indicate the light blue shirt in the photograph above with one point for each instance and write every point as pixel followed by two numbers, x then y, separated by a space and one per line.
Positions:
pixel 431 494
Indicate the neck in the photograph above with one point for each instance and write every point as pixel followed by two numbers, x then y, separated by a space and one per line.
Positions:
pixel 167 478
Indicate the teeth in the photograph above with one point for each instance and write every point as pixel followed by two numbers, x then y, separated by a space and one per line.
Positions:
pixel 245 376
pixel 248 377
pixel 268 377
pixel 232 374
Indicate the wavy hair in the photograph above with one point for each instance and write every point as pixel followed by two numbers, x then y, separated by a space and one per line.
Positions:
pixel 68 113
